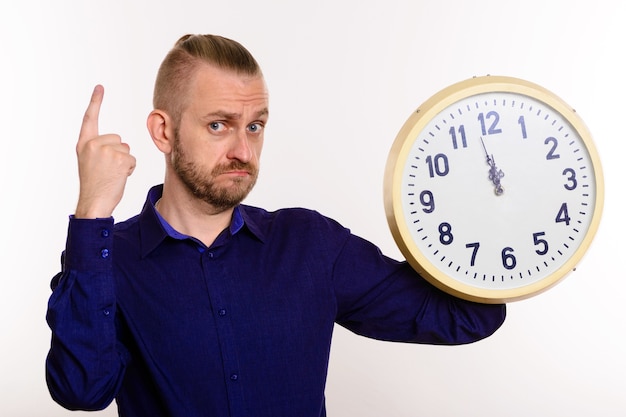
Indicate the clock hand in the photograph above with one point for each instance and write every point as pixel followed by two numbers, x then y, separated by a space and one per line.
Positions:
pixel 494 173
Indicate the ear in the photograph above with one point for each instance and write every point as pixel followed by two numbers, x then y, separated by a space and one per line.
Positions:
pixel 161 130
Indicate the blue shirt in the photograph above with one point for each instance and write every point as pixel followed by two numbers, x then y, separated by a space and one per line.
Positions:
pixel 169 327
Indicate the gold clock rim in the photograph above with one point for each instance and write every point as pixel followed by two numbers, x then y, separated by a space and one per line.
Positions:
pixel 398 156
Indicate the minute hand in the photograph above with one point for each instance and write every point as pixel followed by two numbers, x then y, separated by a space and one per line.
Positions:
pixel 494 173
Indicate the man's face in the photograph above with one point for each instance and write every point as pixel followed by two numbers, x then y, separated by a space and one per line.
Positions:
pixel 219 138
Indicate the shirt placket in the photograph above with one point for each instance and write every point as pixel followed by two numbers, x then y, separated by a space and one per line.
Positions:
pixel 217 275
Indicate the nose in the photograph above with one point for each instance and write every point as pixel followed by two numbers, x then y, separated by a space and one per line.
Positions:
pixel 240 148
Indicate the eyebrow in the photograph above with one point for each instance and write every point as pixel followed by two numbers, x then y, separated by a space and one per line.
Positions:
pixel 233 116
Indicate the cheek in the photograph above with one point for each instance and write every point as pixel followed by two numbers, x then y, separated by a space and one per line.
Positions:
pixel 258 148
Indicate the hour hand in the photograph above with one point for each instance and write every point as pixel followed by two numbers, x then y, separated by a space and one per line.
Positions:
pixel 494 172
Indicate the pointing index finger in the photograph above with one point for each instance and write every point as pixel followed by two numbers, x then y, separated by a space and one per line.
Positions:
pixel 89 128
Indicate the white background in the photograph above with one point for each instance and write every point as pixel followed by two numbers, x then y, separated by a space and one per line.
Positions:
pixel 343 77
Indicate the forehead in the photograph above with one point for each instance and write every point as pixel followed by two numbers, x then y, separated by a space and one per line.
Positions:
pixel 214 88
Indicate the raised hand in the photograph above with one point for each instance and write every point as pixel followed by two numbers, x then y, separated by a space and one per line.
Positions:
pixel 104 164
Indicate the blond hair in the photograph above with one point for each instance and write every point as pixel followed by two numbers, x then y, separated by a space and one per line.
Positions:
pixel 179 65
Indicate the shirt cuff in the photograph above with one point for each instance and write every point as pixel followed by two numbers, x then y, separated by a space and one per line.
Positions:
pixel 89 244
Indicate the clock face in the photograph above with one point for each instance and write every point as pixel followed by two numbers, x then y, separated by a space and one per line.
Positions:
pixel 494 190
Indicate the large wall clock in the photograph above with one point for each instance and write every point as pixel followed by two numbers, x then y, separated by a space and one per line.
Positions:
pixel 493 189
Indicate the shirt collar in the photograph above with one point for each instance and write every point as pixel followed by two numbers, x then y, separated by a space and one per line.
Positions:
pixel 154 228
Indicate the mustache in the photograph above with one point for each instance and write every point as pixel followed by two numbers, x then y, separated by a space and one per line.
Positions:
pixel 235 166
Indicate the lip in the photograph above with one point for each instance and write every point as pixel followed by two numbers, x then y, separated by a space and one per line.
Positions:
pixel 236 173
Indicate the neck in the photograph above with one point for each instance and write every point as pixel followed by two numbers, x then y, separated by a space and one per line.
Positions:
pixel 192 216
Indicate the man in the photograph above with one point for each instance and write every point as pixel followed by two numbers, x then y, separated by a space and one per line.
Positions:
pixel 202 306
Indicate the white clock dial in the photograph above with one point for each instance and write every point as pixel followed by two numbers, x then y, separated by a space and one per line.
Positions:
pixel 496 191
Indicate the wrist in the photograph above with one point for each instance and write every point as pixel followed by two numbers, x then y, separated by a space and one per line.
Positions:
pixel 91 212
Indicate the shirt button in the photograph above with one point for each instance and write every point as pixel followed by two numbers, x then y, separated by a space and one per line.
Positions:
pixel 104 253
pixel 106 312
pixel 105 233
pixel 222 312
pixel 234 377
pixel 211 255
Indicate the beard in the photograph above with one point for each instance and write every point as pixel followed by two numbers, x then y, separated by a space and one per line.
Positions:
pixel 203 184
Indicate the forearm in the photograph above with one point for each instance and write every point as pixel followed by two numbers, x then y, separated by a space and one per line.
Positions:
pixel 453 321
pixel 84 367
pixel 388 300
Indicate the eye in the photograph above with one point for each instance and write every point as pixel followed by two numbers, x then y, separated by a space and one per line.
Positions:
pixel 255 127
pixel 217 126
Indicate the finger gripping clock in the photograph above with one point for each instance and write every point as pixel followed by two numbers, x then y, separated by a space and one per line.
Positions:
pixel 493 189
